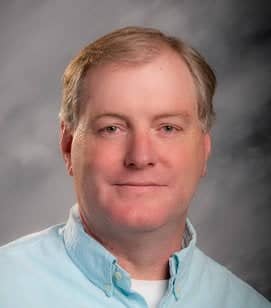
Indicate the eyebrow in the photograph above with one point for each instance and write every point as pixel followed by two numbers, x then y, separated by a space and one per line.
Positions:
pixel 111 115
pixel 183 115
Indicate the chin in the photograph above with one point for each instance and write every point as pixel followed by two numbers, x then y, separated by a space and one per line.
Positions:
pixel 140 217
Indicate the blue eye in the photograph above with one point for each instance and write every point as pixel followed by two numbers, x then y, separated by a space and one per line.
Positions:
pixel 110 129
pixel 168 128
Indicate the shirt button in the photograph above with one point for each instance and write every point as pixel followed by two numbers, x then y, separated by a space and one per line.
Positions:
pixel 118 276
pixel 178 290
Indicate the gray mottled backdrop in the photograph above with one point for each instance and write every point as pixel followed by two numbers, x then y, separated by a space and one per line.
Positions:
pixel 232 209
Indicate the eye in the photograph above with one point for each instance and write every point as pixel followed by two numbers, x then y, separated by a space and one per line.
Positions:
pixel 169 129
pixel 109 129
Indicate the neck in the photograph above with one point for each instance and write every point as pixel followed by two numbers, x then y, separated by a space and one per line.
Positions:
pixel 144 255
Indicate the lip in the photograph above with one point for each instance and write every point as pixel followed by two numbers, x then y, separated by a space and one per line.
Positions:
pixel 138 188
pixel 137 184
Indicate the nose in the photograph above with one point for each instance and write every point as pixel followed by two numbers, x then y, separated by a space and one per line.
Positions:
pixel 140 152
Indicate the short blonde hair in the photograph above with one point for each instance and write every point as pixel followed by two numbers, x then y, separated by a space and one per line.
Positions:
pixel 128 46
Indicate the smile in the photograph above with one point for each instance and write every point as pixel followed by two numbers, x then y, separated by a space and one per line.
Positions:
pixel 139 187
pixel 140 184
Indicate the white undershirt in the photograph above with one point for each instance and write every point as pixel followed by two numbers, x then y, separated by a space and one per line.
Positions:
pixel 151 290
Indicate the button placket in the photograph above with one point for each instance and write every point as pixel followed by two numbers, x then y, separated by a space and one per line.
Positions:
pixel 108 289
pixel 118 275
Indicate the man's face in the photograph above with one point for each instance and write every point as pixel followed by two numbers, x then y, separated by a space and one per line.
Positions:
pixel 138 152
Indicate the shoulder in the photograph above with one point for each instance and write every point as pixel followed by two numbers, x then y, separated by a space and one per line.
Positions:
pixel 31 247
pixel 32 239
pixel 31 267
pixel 223 284
pixel 29 262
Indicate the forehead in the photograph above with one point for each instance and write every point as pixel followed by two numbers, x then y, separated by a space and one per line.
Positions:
pixel 164 84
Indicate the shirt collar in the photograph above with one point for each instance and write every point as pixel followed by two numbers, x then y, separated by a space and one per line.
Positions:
pixel 101 267
pixel 89 255
pixel 180 262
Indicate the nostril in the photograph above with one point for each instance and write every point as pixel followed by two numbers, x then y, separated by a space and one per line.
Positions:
pixel 140 151
pixel 138 164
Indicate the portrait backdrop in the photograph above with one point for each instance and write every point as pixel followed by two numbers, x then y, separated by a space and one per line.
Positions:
pixel 231 211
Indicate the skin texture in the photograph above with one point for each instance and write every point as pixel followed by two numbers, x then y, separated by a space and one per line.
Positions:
pixel 136 158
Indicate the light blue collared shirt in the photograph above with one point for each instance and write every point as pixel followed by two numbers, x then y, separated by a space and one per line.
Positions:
pixel 65 267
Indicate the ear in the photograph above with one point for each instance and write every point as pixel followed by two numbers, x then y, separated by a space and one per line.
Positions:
pixel 65 143
pixel 207 151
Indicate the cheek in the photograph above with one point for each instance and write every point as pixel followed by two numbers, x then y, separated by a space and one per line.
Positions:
pixel 105 158
pixel 187 164
pixel 94 166
pixel 97 161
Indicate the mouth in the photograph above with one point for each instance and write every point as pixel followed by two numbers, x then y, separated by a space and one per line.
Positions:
pixel 136 184
pixel 139 188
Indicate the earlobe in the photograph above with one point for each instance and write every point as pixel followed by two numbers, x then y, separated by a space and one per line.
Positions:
pixel 65 143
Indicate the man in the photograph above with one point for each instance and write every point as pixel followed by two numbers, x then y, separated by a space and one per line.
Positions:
pixel 135 120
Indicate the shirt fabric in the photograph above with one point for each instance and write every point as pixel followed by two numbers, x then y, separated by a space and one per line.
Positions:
pixel 65 267
pixel 151 290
